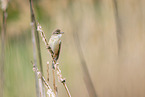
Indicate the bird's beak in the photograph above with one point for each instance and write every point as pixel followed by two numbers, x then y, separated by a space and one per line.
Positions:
pixel 61 32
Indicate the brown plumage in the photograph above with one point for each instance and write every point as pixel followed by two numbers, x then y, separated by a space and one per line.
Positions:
pixel 55 43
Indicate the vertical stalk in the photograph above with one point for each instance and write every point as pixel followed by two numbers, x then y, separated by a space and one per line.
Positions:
pixel 54 85
pixel 48 71
pixel 35 37
pixel 35 59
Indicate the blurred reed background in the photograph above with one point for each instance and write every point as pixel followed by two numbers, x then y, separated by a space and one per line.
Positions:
pixel 112 35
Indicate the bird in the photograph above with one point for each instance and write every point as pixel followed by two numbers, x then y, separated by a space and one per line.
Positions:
pixel 55 43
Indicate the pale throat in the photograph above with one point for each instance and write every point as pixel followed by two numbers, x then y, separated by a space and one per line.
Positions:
pixel 59 35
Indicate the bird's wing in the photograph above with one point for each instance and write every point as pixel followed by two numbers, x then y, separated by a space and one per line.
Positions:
pixel 58 50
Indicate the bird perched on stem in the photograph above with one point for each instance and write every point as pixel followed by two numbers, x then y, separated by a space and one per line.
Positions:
pixel 55 43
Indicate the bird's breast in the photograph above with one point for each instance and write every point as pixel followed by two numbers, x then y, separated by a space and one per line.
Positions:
pixel 54 44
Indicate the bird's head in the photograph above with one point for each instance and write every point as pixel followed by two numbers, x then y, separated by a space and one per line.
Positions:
pixel 57 32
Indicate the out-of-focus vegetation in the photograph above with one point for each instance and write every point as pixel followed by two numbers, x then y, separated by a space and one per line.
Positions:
pixel 115 59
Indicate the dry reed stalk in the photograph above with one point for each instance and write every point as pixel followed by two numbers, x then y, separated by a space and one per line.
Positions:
pixel 61 79
pixel 39 28
pixel 49 48
pixel 34 55
pixel 66 88
pixel 59 75
pixel 40 87
pixel 35 40
pixel 54 83
pixel 33 20
pixel 35 59
pixel 48 71
pixel 39 75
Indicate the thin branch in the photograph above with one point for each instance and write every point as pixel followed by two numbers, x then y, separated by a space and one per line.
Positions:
pixel 54 84
pixel 66 88
pixel 62 80
pixel 51 52
pixel 48 71
pixel 39 28
pixel 39 75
